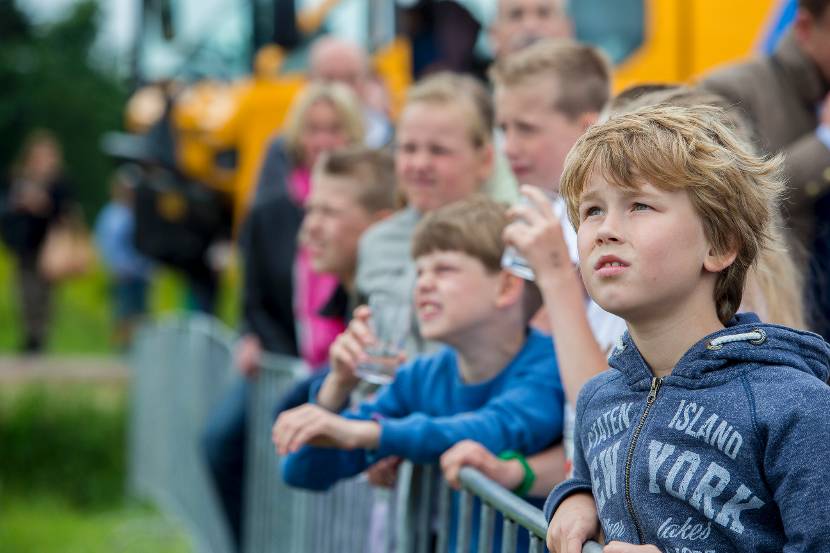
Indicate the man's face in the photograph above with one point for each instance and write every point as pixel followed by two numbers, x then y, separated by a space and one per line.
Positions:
pixel 436 161
pixel 345 66
pixel 643 253
pixel 813 34
pixel 537 137
pixel 521 22
pixel 454 295
pixel 333 224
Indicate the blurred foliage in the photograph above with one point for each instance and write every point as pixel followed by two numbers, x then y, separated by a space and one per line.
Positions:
pixel 62 474
pixel 47 80
pixel 65 441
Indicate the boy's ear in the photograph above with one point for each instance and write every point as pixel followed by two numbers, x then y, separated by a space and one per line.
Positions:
pixel 511 289
pixel 716 262
pixel 487 162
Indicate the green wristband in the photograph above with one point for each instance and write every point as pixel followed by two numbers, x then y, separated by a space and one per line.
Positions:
pixel 529 477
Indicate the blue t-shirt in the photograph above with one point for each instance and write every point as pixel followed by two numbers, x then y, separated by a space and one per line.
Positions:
pixel 728 453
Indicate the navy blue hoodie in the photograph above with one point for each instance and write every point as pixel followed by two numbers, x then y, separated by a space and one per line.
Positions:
pixel 729 453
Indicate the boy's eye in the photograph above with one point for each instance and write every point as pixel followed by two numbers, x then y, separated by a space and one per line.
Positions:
pixel 640 206
pixel 591 211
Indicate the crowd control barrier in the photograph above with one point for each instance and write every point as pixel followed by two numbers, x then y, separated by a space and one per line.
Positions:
pixel 180 368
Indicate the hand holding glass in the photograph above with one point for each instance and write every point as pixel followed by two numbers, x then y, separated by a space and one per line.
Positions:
pixel 390 323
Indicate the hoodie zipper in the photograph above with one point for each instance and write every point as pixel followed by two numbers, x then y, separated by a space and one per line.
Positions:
pixel 652 395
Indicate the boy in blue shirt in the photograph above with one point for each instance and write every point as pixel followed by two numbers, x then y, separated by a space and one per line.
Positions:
pixel 496 382
pixel 709 433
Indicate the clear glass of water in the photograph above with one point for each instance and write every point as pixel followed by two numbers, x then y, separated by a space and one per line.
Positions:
pixel 390 322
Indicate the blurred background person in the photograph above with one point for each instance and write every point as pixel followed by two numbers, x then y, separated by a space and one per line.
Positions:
pixel 338 60
pixel 130 272
pixel 282 294
pixel 37 197
pixel 519 23
pixel 786 97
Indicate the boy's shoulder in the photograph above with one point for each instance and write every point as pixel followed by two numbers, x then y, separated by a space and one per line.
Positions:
pixel 611 381
pixel 395 228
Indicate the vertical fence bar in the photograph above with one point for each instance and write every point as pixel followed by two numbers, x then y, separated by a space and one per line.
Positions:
pixel 486 528
pixel 425 509
pixel 509 533
pixel 444 504
pixel 465 519
pixel 535 544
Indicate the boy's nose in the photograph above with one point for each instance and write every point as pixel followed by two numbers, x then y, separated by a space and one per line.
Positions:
pixel 608 231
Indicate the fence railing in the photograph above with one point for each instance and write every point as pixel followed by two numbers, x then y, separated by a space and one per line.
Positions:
pixel 181 367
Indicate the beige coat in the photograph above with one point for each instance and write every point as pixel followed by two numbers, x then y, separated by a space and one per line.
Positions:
pixel 780 95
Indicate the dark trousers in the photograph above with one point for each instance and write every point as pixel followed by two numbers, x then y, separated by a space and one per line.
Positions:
pixel 35 303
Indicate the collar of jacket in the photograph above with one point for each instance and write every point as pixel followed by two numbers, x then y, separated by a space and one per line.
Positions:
pixel 800 70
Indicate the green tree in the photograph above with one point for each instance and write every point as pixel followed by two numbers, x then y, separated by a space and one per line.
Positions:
pixel 47 80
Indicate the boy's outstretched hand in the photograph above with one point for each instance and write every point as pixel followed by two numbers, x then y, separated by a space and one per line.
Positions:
pixel 622 547
pixel 573 523
pixel 313 425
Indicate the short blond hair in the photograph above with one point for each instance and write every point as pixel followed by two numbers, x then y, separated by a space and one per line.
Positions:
pixel 461 90
pixel 582 74
pixel 733 191
pixel 340 97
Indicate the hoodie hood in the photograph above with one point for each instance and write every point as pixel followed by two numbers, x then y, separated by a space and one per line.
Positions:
pixel 719 356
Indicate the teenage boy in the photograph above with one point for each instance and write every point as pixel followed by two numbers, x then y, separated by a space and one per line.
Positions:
pixel 546 96
pixel 705 433
pixel 493 382
pixel 350 190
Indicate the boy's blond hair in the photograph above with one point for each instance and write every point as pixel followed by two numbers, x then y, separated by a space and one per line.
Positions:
pixel 373 173
pixel 461 90
pixel 473 226
pixel 733 191
pixel 775 285
pixel 582 74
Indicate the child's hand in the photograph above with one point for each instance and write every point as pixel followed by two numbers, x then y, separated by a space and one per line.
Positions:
pixel 384 473
pixel 249 355
pixel 349 349
pixel 574 522
pixel 621 547
pixel 470 453
pixel 313 425
pixel 536 233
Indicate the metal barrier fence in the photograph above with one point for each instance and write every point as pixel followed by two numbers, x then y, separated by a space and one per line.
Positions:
pixel 179 370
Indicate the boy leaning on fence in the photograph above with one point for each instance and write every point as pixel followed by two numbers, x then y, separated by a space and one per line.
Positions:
pixel 495 381
pixel 709 432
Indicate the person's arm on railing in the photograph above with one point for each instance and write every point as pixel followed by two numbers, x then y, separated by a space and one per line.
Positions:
pixel 549 467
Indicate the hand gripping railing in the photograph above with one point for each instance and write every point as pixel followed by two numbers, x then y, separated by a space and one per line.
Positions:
pixel 494 498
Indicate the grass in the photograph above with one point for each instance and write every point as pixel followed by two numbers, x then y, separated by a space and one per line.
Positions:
pixel 81 317
pixel 45 524
pixel 62 474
